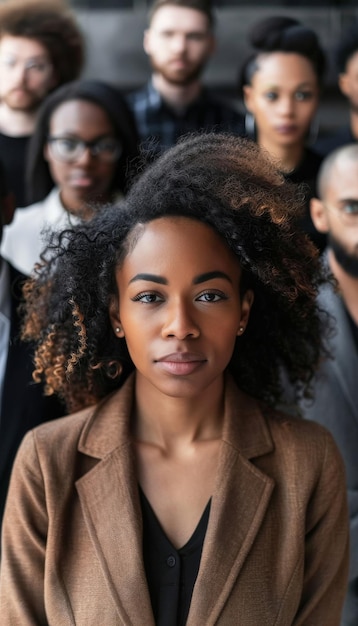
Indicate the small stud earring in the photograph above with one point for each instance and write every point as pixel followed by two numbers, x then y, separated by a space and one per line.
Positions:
pixel 241 329
pixel 118 329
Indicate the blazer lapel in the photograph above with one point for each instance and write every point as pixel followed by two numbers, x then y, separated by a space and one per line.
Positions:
pixel 111 508
pixel 239 503
pixel 110 503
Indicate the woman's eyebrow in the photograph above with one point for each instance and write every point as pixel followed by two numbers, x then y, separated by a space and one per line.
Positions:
pixel 202 278
pixel 153 278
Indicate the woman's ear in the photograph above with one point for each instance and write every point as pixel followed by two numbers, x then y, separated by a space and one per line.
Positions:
pixel 46 152
pixel 246 304
pixel 247 97
pixel 113 310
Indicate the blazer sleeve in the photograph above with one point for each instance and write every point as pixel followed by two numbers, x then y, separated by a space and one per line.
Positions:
pixel 24 542
pixel 326 545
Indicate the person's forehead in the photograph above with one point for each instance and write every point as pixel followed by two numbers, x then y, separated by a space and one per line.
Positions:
pixel 290 66
pixel 22 47
pixel 80 115
pixel 170 17
pixel 156 241
pixel 342 182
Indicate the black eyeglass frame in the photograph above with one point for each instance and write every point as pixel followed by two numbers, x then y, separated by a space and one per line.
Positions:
pixel 92 146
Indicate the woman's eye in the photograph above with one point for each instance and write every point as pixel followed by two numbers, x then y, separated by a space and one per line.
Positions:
pixel 68 145
pixel 303 95
pixel 271 95
pixel 210 296
pixel 148 298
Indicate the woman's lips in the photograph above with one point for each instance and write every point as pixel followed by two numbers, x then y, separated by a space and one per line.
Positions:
pixel 286 129
pixel 181 363
pixel 81 180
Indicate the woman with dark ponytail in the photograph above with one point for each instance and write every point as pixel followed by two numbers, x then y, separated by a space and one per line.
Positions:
pixel 280 82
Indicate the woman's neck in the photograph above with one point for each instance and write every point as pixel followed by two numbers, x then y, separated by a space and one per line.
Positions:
pixel 173 422
pixel 78 207
pixel 287 157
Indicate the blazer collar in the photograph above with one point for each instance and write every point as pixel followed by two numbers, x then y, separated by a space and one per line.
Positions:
pixel 108 426
pixel 110 503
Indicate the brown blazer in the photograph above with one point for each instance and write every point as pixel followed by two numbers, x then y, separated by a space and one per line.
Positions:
pixel 276 548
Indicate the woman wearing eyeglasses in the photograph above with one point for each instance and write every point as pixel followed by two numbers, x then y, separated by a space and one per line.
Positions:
pixel 85 143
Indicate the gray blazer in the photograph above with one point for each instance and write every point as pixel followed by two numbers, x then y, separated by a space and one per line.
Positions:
pixel 336 407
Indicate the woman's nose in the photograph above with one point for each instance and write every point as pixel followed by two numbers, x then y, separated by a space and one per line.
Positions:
pixel 86 156
pixel 286 106
pixel 180 322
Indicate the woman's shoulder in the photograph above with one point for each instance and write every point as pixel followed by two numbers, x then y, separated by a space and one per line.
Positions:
pixel 96 429
pixel 308 167
pixel 60 435
pixel 29 216
pixel 303 442
pixel 287 423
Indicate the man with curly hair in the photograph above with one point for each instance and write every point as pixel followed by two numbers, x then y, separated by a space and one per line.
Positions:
pixel 41 47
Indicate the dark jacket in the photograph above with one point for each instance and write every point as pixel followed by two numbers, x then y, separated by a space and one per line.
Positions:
pixel 335 406
pixel 23 403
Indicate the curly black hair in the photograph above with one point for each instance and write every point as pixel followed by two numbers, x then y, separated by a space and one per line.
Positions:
pixel 282 34
pixel 220 180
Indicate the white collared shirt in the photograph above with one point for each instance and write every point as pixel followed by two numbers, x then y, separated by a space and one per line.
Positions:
pixel 5 321
pixel 25 238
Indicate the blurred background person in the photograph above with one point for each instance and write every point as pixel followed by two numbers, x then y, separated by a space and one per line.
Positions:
pixel 335 399
pixel 22 403
pixel 347 62
pixel 280 83
pixel 41 47
pixel 84 143
pixel 179 42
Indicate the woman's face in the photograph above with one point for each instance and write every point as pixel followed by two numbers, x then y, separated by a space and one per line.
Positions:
pixel 283 98
pixel 82 177
pixel 179 307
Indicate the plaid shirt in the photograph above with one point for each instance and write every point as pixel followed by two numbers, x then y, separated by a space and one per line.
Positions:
pixel 159 126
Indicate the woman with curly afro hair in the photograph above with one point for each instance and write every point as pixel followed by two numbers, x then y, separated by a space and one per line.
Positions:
pixel 178 493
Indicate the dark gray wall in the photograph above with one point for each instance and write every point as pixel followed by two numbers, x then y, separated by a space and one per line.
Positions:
pixel 115 54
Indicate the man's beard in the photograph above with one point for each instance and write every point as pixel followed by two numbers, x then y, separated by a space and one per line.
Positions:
pixel 347 260
pixel 28 105
pixel 181 79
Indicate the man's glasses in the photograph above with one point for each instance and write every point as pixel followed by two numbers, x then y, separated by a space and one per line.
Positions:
pixel 68 149
pixel 348 210
pixel 35 67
